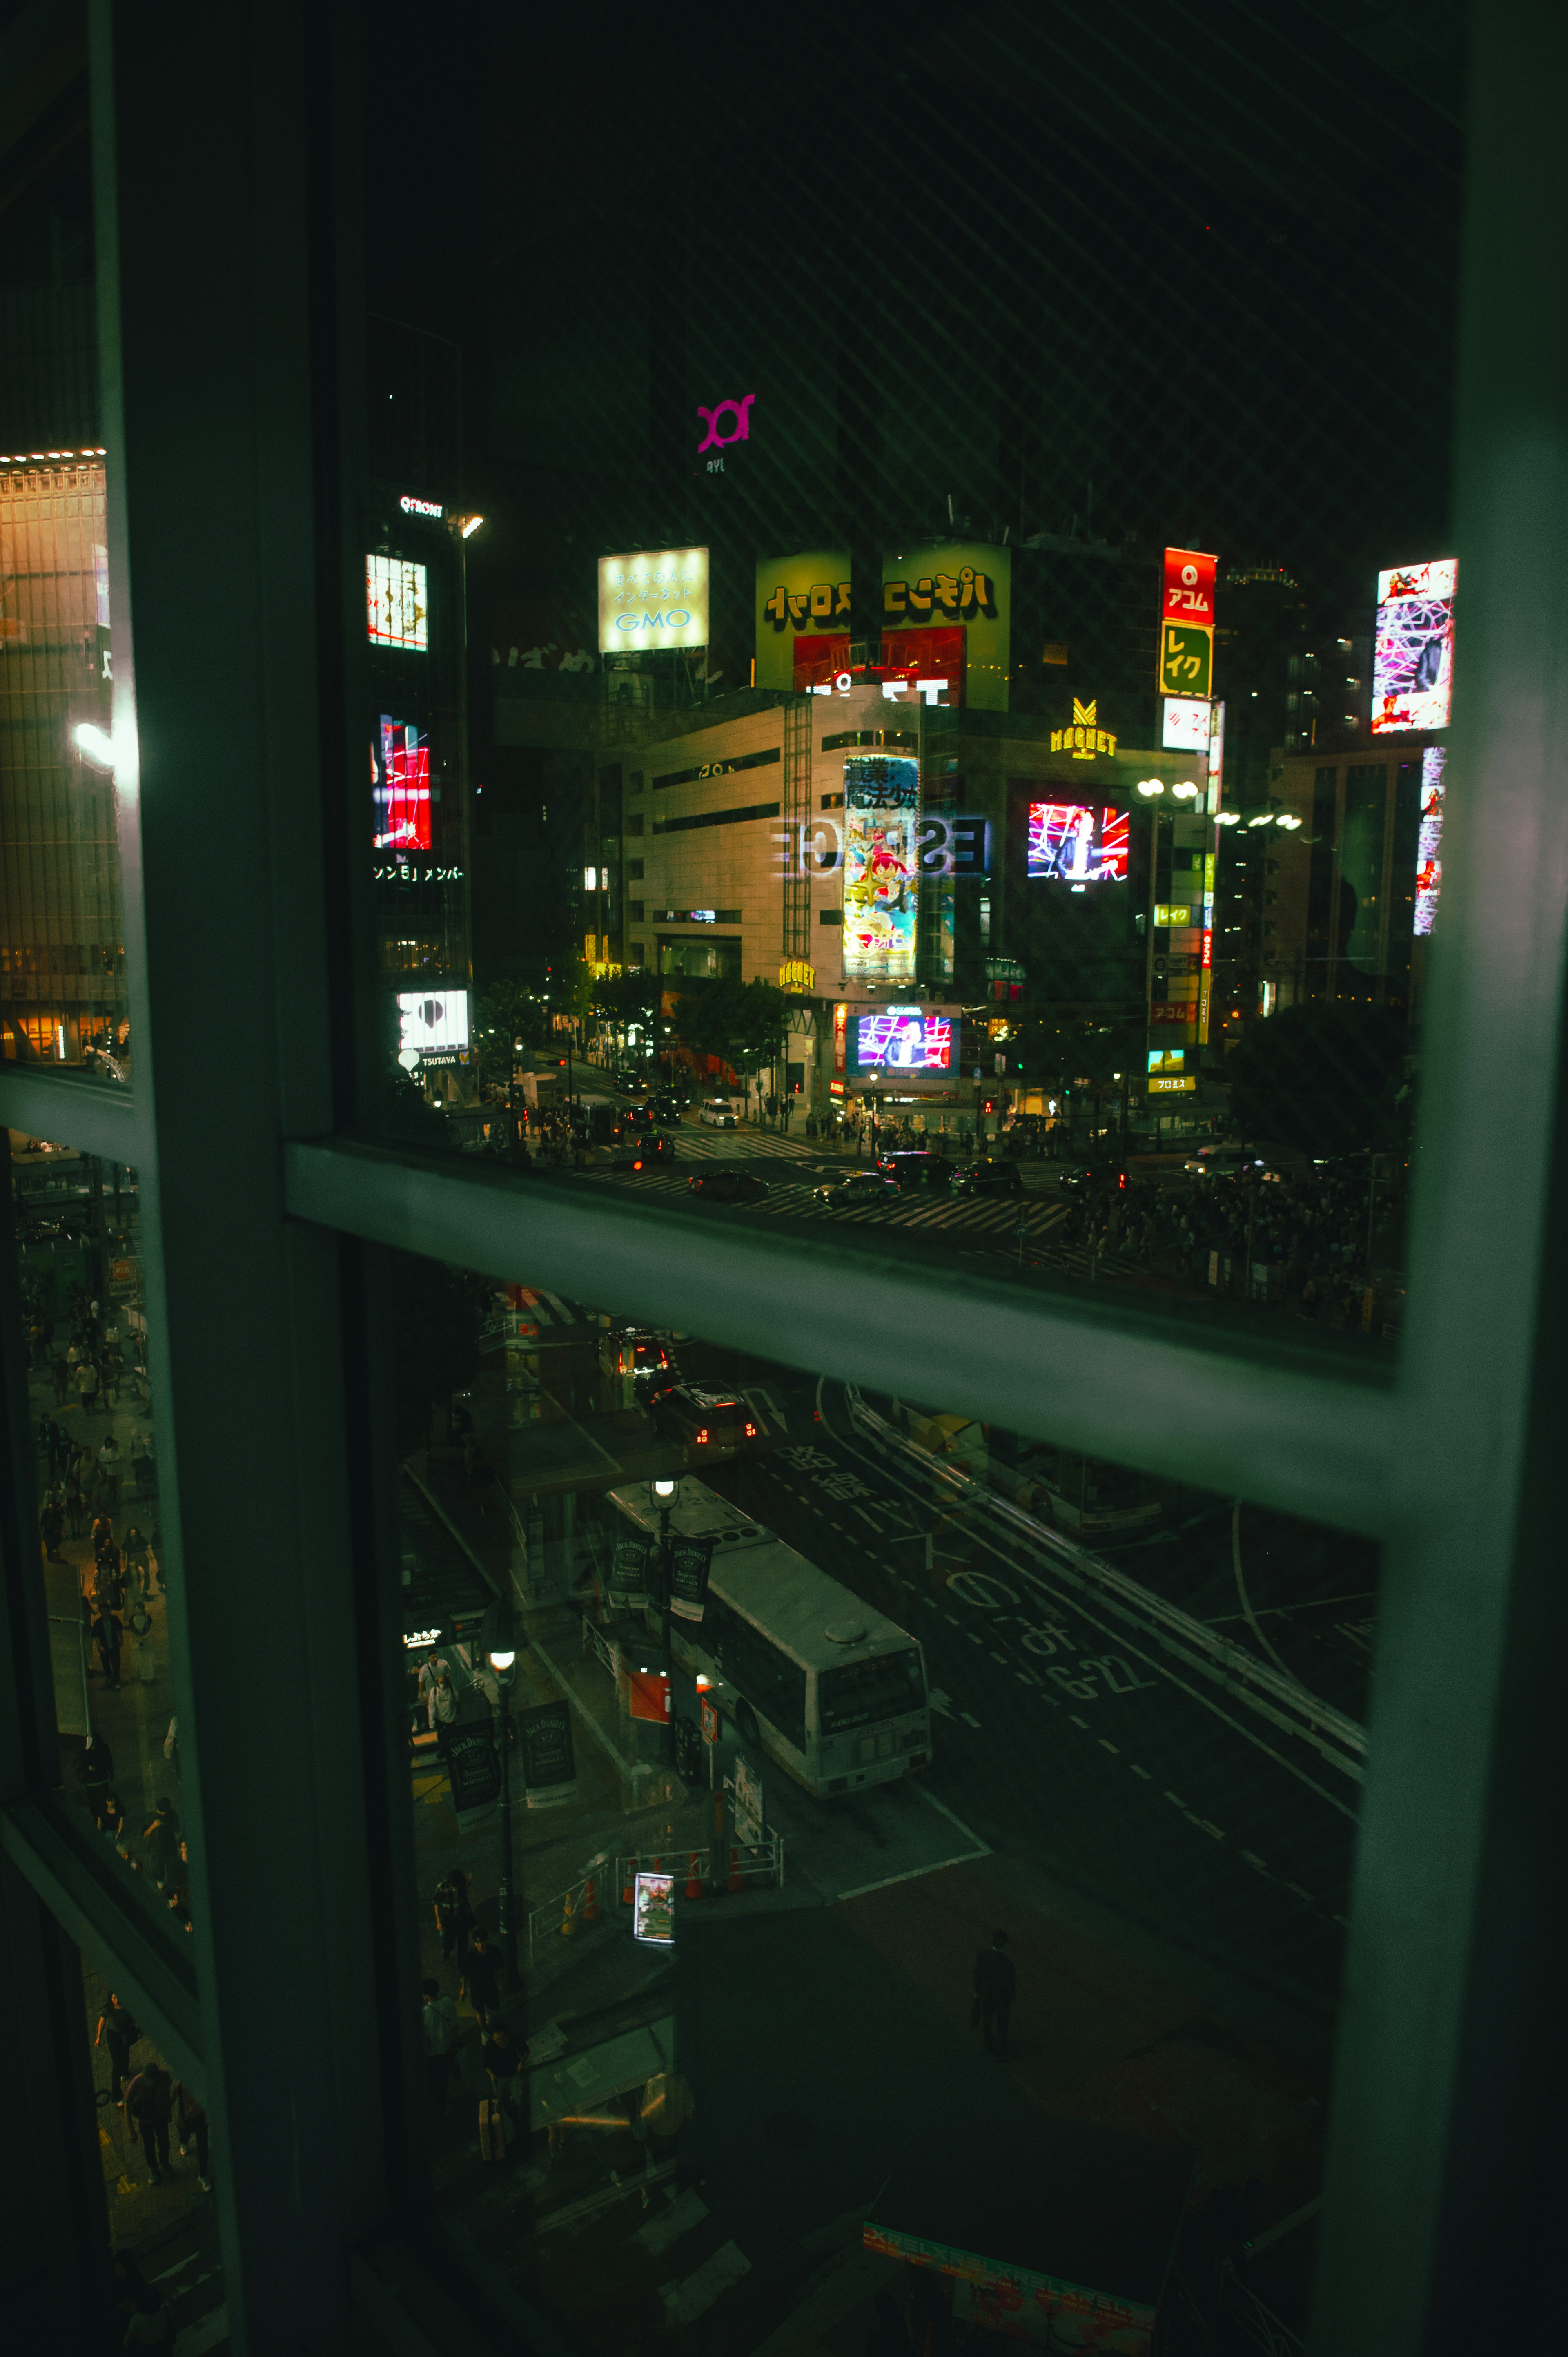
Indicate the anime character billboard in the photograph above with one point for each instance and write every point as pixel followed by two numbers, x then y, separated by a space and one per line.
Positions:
pixel 881 896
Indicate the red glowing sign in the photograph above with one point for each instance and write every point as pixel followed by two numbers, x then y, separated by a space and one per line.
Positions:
pixel 1189 586
pixel 403 788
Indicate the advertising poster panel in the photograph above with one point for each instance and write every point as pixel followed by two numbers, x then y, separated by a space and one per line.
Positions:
pixel 880 894
pixel 1184 724
pixel 402 788
pixel 631 1571
pixel 397 604
pixel 653 598
pixel 1429 838
pixel 433 1023
pixel 549 1769
pixel 653 1909
pixel 942 583
pixel 1413 655
pixel 474 1767
pixel 804 596
pixel 1077 844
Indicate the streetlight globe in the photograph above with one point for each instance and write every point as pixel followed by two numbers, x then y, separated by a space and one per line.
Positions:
pixel 502 1661
pixel 665 1489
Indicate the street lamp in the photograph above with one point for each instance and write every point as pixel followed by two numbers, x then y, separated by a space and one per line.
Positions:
pixel 665 1490
pixel 497 1638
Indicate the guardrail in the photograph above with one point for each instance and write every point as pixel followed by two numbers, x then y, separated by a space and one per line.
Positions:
pixel 743 1866
pixel 1340 1740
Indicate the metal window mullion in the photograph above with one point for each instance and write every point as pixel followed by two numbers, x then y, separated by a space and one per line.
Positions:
pixel 1242 1418
pixel 1445 2118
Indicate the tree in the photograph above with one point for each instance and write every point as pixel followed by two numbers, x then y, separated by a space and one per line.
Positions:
pixel 744 1023
pixel 504 1013
pixel 628 997
pixel 1326 1077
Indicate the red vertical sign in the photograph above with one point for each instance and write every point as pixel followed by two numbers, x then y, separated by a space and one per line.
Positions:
pixel 1189 587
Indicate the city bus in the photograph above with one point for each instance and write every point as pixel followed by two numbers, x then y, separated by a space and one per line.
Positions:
pixel 825 1684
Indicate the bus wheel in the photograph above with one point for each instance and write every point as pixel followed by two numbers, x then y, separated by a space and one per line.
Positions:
pixel 746 1722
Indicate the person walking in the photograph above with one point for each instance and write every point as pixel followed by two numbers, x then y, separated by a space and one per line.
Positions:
pixel 147 2107
pixel 138 1571
pixel 454 1915
pixel 109 1816
pixel 439 2016
pixel 160 1839
pixel 995 1985
pixel 481 1981
pixel 51 1527
pixel 119 2033
pixel 86 1384
pixel 59 1377
pixel 109 1635
pixel 503 2068
pixel 190 2127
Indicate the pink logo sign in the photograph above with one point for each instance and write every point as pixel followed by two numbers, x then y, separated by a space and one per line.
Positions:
pixel 739 411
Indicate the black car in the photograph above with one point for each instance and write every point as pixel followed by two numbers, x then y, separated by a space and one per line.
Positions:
pixel 850 1188
pixel 915 1168
pixel 1101 1173
pixel 666 1109
pixel 727 1186
pixel 990 1176
pixel 713 1424
pixel 640 1149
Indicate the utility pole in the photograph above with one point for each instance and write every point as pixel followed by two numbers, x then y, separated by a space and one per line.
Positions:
pixel 499 1641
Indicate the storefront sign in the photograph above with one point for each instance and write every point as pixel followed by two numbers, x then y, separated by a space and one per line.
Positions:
pixel 690 1561
pixel 1172 1084
pixel 549 1769
pixel 956 582
pixel 411 506
pixel 797 976
pixel 841 1026
pixel 1084 740
pixel 1186 624
pixel 1166 914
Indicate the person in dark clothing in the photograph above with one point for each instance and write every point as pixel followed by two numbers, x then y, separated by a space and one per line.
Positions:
pixel 94 1763
pixel 995 1985
pixel 109 1635
pixel 454 1915
pixel 482 1982
pixel 119 2033
pixel 51 1527
pixel 147 2107
pixel 190 2127
pixel 160 1838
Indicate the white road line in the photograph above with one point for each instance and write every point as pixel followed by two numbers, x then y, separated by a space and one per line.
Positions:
pixel 1140 1771
pixel 1255 1861
pixel 1001 1658
pixel 1079 1722
pixel 1104 1746
pixel 864 1890
pixel 1175 1803
pixel 967 1720
pixel 943 1810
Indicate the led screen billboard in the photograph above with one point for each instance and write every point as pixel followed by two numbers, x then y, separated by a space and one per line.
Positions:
pixel 1077 844
pixel 397 606
pixel 432 1020
pixel 905 1039
pixel 402 787
pixel 881 903
pixel 653 598
pixel 1412 659
pixel 1429 837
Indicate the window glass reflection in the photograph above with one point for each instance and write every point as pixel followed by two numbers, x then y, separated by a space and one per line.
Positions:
pixel 100 1522
pixel 785 1758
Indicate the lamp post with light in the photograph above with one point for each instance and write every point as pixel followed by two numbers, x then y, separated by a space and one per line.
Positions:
pixel 665 1490
pixel 499 1640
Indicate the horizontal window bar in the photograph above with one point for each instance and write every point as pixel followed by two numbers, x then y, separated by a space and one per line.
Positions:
pixel 110 1934
pixel 1221 1413
pixel 96 1116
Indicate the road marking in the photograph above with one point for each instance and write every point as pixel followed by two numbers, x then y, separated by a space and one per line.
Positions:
pixel 1025 1679
pixel 1255 1861
pixel 967 1720
pixel 1300 1892
pixel 1140 1771
pixel 999 1657
pixel 952 1621
pixel 864 1890
pixel 979 1641
pixel 981 1849
pixel 1172 1798
pixel 1104 1746
pixel 1079 1722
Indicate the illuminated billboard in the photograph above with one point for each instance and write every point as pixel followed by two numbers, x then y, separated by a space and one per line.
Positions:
pixel 808 592
pixel 881 809
pixel 1412 659
pixel 653 598
pixel 1185 724
pixel 397 606
pixel 905 1039
pixel 1429 837
pixel 1077 844
pixel 948 583
pixel 1186 624
pixel 402 788
pixel 432 1021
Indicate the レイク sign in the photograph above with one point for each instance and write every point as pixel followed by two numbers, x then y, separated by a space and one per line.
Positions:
pixel 1186 624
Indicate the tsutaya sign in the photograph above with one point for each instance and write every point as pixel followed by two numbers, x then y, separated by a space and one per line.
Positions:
pixel 1084 740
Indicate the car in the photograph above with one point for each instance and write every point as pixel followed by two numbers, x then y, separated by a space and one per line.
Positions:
pixel 667 1109
pixel 1222 1161
pixel 726 1186
pixel 716 1424
pixel 1100 1170
pixel 635 1084
pixel 915 1168
pixel 990 1176
pixel 718 1112
pixel 641 1148
pixel 644 1355
pixel 856 1187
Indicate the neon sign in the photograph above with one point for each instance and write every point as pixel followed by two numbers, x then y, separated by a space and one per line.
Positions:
pixel 740 411
pixel 1084 740
pixel 411 506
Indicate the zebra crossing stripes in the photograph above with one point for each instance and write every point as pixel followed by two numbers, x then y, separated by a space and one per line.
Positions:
pixel 968 1215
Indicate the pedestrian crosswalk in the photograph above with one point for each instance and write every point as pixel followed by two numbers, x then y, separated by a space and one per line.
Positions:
pixel 984 1217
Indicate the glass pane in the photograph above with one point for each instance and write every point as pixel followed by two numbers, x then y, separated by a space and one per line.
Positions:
pixel 62 988
pixel 153 2137
pixel 1003 717
pixel 105 1584
pixel 744 1713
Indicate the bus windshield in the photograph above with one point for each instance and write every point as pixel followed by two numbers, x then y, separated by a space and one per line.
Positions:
pixel 862 1691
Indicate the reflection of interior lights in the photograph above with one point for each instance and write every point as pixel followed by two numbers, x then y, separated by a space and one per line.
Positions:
pixel 1264 818
pixel 1184 793
pixel 1227 818
pixel 1290 824
pixel 1150 786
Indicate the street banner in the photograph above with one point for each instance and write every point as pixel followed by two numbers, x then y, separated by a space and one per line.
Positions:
pixel 688 1564
pixel 549 1769
pixel 631 1570
pixel 473 1766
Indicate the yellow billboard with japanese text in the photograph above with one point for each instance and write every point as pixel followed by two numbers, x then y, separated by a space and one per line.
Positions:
pixel 939 583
